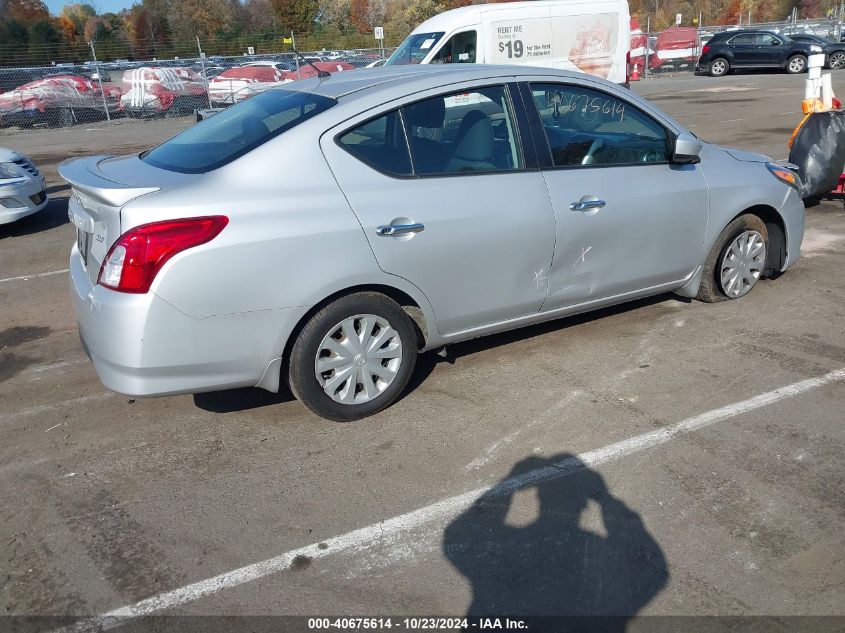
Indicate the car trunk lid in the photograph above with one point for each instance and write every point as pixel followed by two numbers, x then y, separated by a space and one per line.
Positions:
pixel 102 185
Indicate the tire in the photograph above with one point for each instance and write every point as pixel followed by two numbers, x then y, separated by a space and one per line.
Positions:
pixel 64 117
pixel 837 60
pixel 796 64
pixel 712 287
pixel 371 315
pixel 719 67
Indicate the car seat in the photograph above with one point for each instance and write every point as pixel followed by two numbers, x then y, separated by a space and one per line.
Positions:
pixel 473 144
pixel 429 155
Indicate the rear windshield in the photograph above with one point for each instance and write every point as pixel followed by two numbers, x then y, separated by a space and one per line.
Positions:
pixel 414 49
pixel 237 130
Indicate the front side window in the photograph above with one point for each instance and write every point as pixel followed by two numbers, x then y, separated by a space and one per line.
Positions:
pixel 471 131
pixel 764 39
pixel 236 131
pixel 414 49
pixel 586 127
pixel 460 49
pixel 380 143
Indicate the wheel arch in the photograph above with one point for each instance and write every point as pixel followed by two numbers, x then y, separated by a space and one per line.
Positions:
pixel 775 256
pixel 416 307
pixel 776 229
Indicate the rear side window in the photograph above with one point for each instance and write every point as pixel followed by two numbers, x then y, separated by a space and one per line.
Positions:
pixel 743 40
pixel 381 144
pixel 236 131
pixel 461 133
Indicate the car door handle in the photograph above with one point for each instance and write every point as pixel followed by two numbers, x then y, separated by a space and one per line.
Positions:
pixel 583 205
pixel 387 230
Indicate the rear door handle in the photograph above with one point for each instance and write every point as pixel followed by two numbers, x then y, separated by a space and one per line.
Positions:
pixel 583 205
pixel 386 230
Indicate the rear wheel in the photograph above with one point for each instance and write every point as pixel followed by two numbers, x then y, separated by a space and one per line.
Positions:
pixel 719 67
pixel 354 357
pixel 796 64
pixel 737 260
pixel 837 60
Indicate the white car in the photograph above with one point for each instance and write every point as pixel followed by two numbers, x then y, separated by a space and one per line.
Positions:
pixel 21 187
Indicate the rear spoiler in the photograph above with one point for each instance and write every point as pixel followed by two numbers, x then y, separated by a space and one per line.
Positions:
pixel 82 174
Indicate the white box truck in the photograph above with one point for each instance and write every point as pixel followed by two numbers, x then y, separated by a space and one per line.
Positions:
pixel 591 37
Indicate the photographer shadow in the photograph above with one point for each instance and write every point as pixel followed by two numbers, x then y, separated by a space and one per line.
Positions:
pixel 553 566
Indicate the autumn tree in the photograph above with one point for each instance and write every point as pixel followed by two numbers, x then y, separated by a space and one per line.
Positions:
pixel 377 12
pixel 27 11
pixel 296 15
pixel 257 16
pixel 203 18
pixel 72 21
pixel 358 15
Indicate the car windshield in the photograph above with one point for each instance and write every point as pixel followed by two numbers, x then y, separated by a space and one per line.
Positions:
pixel 232 133
pixel 414 49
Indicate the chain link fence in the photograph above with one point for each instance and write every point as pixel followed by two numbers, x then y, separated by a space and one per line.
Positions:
pixel 676 49
pixel 67 94
pixel 98 87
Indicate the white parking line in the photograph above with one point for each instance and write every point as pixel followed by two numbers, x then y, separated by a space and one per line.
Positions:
pixel 370 535
pixel 44 408
pixel 38 369
pixel 35 276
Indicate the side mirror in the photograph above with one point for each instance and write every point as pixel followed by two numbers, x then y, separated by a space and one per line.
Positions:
pixel 687 149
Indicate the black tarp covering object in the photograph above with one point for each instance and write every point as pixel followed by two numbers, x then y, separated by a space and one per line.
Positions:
pixel 819 152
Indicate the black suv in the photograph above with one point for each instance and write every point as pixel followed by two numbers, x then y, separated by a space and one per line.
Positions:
pixel 753 49
pixel 834 53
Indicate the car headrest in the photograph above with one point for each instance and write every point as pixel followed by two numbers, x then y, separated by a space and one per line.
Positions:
pixel 429 113
pixel 474 140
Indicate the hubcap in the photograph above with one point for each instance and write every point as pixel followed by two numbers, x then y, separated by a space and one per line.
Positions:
pixel 718 67
pixel 358 359
pixel 796 65
pixel 742 264
pixel 837 60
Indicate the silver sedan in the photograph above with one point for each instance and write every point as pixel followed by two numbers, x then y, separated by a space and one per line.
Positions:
pixel 326 232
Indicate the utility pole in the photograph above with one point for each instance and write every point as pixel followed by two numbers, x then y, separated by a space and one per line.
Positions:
pixel 204 76
pixel 100 80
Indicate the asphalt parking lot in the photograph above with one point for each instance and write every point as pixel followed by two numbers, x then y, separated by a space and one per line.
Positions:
pixel 664 457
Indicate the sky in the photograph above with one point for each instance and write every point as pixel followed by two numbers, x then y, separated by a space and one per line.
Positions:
pixel 102 6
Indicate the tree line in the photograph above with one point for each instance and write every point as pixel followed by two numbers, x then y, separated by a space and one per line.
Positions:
pixel 162 29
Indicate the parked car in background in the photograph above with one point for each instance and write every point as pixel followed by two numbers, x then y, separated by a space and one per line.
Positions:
pixel 22 191
pixel 674 48
pixel 741 49
pixel 242 82
pixel 281 66
pixel 834 51
pixel 153 91
pixel 59 100
pixel 11 78
pixel 307 71
pixel 417 209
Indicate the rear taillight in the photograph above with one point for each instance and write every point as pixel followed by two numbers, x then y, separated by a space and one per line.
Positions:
pixel 135 258
pixel 705 49
pixel 628 67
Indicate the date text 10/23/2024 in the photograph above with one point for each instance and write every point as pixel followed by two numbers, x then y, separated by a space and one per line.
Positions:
pixel 417 623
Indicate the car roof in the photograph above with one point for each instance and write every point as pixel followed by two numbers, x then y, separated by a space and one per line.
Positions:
pixel 405 78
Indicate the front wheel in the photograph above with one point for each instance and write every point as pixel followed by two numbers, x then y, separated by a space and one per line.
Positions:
pixel 796 64
pixel 719 67
pixel 354 357
pixel 737 260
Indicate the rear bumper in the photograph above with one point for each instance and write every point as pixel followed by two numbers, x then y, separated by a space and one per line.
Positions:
pixel 143 346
